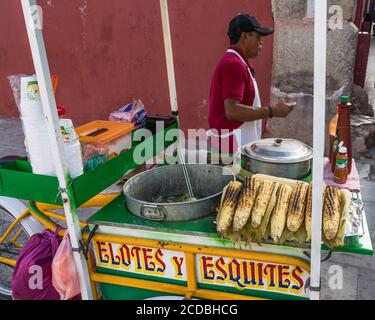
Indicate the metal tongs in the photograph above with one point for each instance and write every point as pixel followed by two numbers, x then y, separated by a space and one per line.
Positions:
pixel 186 174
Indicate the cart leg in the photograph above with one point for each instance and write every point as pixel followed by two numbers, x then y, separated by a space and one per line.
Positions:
pixel 90 266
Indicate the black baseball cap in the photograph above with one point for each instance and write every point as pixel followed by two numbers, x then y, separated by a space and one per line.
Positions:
pixel 245 22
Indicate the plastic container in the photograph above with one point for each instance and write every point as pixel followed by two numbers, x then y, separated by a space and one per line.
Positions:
pixel 94 155
pixel 341 167
pixel 115 135
pixel 343 132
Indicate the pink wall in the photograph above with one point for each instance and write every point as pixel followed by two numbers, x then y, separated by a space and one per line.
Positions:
pixel 108 53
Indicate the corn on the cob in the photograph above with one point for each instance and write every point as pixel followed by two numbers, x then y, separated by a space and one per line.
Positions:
pixel 226 213
pixel 245 203
pixel 261 203
pixel 308 212
pixel 278 219
pixel 297 204
pixel 331 212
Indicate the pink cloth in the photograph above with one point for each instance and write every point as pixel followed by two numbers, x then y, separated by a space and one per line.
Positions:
pixel 34 267
pixel 353 182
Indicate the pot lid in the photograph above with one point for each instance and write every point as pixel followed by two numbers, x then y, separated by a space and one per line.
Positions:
pixel 279 150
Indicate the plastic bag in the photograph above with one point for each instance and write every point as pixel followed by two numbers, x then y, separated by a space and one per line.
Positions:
pixel 94 155
pixel 15 84
pixel 64 273
pixel 133 113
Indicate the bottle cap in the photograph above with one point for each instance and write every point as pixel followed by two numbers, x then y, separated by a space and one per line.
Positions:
pixel 342 149
pixel 60 110
pixel 344 99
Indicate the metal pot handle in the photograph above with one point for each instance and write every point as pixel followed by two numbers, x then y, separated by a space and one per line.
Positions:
pixel 152 212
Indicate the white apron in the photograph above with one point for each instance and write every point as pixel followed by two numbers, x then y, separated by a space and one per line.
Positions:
pixel 249 131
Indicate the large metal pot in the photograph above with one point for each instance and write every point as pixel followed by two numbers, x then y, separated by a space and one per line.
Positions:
pixel 207 181
pixel 285 158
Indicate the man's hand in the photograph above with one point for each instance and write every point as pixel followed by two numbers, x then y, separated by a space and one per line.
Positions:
pixel 281 110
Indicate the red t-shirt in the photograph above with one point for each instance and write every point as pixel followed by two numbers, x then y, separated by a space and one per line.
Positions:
pixel 231 80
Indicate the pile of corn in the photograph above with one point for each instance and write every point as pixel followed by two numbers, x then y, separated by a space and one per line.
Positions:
pixel 265 207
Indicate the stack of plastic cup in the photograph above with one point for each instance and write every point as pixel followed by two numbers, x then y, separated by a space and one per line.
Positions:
pixel 72 147
pixel 73 153
pixel 35 128
pixel 37 142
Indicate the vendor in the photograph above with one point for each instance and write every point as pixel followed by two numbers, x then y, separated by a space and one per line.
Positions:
pixel 234 101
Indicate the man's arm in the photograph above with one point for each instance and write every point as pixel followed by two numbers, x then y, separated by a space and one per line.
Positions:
pixel 235 111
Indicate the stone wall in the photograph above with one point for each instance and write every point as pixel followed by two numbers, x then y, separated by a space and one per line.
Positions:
pixel 294 49
pixel 298 9
pixel 289 9
pixel 293 65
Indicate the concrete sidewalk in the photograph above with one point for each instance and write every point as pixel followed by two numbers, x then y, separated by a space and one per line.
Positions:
pixel 358 271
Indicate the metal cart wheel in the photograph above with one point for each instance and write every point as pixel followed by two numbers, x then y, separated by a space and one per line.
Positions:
pixel 9 250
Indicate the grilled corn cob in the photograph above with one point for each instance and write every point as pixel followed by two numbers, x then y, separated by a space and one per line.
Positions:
pixel 297 204
pixel 278 219
pixel 261 203
pixel 228 208
pixel 245 203
pixel 331 212
pixel 308 212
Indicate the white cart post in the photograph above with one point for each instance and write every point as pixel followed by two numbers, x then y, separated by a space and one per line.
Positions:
pixel 169 55
pixel 320 49
pixel 38 50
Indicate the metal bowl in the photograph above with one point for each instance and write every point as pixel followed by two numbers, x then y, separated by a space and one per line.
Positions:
pixel 207 181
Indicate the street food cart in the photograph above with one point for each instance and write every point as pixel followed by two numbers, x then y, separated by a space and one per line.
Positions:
pixel 191 259
pixel 138 258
